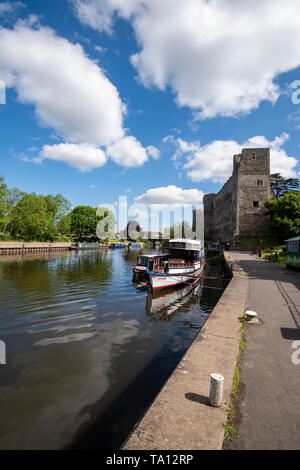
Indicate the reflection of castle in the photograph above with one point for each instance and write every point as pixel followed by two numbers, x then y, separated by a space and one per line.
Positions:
pixel 238 211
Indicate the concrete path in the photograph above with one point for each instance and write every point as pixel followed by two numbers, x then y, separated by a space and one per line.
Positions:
pixel 270 405
pixel 180 417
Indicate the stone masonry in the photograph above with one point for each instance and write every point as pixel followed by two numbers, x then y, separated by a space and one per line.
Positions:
pixel 237 211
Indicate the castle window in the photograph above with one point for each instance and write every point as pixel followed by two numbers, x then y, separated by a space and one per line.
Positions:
pixel 253 156
pixel 259 182
pixel 255 204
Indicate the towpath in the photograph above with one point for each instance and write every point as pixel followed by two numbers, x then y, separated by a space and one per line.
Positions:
pixel 269 408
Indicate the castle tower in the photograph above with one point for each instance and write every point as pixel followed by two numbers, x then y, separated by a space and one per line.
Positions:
pixel 238 211
pixel 251 172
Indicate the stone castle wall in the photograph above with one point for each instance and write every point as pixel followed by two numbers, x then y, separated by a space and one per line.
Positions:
pixel 237 211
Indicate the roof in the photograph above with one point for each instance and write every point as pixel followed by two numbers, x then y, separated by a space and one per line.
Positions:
pixel 185 240
pixel 293 239
pixel 153 255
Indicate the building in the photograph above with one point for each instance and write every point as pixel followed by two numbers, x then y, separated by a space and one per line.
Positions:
pixel 198 224
pixel 133 230
pixel 237 211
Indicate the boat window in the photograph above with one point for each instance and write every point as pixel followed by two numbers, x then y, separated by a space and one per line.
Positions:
pixel 293 246
pixel 142 261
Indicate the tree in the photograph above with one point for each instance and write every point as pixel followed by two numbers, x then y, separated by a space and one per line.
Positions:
pixel 83 221
pixel 106 222
pixel 58 205
pixel 32 220
pixel 285 215
pixel 281 185
pixel 3 192
pixel 178 230
pixel 64 224
pixel 12 197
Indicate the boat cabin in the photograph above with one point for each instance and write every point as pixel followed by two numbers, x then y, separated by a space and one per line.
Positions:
pixel 184 252
pixel 153 262
pixel 293 252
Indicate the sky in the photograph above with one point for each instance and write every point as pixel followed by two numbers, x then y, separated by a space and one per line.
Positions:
pixel 149 100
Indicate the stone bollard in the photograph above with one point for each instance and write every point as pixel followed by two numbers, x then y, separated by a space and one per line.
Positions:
pixel 216 390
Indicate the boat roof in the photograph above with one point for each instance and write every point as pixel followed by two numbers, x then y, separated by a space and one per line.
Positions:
pixel 187 244
pixel 155 255
pixel 293 239
pixel 185 240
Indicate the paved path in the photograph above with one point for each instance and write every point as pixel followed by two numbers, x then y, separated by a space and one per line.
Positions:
pixel 270 406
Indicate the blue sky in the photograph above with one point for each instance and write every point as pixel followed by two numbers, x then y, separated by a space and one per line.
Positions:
pixel 145 99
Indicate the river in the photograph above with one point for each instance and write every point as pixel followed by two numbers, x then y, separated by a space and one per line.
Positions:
pixel 87 350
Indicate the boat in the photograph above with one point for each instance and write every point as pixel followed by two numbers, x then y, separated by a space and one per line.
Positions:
pixel 85 246
pixel 117 245
pixel 185 264
pixel 145 264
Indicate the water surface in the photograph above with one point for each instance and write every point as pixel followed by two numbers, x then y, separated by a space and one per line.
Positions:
pixel 87 351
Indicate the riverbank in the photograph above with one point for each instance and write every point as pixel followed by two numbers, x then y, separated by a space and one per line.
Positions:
pixel 180 417
pixel 12 248
pixel 267 406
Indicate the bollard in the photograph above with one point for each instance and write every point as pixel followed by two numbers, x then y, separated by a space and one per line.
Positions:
pixel 216 390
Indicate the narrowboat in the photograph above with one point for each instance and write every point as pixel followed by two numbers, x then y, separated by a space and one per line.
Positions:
pixel 117 245
pixel 85 246
pixel 184 265
pixel 293 252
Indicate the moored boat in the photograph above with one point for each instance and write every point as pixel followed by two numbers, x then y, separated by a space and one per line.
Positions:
pixel 85 246
pixel 117 245
pixel 185 264
pixel 147 263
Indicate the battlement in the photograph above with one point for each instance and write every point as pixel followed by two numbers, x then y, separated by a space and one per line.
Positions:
pixel 252 161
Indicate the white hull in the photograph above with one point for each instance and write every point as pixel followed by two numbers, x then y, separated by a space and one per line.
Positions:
pixel 176 277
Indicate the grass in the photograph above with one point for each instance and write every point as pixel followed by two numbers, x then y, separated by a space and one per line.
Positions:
pixel 280 256
pixel 255 242
pixel 230 431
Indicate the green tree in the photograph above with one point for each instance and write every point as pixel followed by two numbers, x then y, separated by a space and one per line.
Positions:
pixel 64 224
pixel 83 221
pixel 3 192
pixel 58 206
pixel 281 185
pixel 178 230
pixel 32 220
pixel 285 215
pixel 13 196
pixel 106 222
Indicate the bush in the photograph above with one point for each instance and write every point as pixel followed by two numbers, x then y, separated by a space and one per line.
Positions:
pixel 5 237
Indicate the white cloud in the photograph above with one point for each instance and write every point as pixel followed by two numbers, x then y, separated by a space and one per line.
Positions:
pixel 99 14
pixel 83 157
pixel 170 196
pixel 214 160
pixel 10 7
pixel 153 152
pixel 127 152
pixel 70 94
pixel 220 57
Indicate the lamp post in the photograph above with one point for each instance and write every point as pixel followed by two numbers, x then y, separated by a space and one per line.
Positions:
pixel 260 249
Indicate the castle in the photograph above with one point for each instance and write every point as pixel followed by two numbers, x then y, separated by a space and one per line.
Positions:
pixel 237 211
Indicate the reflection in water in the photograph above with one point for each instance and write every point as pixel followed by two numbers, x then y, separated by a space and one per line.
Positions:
pixel 168 302
pixel 84 360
